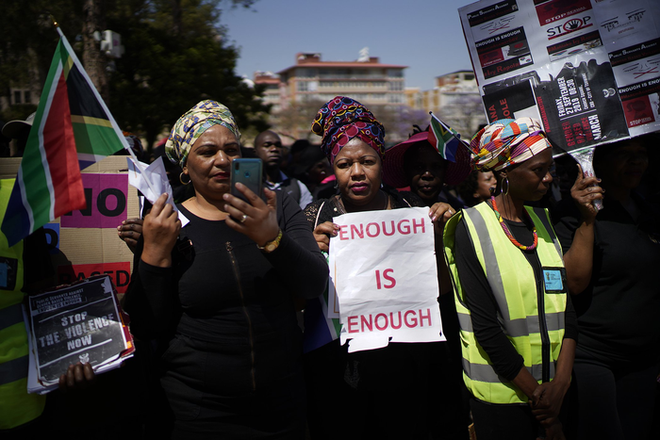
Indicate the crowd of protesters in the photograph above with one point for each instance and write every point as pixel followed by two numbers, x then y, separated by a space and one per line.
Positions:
pixel 549 305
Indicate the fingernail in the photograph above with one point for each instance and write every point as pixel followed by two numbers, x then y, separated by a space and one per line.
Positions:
pixel 433 218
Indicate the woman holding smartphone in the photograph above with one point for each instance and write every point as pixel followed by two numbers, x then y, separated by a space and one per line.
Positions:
pixel 218 293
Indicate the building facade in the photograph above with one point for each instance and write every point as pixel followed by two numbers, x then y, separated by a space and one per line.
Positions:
pixel 366 80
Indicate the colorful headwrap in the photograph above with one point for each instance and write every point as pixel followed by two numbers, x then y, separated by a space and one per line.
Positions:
pixel 507 142
pixel 342 119
pixel 193 124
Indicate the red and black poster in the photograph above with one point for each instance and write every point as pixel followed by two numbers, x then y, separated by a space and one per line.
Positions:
pixel 588 70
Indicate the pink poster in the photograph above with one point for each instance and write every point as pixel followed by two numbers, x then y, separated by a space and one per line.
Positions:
pixel 106 196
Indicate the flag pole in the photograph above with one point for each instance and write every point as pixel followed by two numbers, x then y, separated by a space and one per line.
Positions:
pixel 125 144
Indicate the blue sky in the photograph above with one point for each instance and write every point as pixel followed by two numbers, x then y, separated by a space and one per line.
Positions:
pixel 425 35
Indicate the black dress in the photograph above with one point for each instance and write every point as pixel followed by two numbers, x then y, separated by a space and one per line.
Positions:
pixel 402 391
pixel 232 363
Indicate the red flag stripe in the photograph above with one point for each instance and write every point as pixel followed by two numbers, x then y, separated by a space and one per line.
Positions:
pixel 61 154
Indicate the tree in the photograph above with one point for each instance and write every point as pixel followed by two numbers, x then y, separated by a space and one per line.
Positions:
pixel 27 43
pixel 175 56
pixel 465 113
pixel 398 121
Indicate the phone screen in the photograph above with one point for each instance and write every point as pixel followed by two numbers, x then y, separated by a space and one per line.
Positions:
pixel 248 171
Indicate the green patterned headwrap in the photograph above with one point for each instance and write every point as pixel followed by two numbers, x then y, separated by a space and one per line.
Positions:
pixel 193 124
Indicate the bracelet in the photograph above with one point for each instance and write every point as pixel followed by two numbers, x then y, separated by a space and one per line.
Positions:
pixel 272 245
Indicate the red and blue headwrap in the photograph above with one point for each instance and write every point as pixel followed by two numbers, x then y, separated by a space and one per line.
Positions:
pixel 342 119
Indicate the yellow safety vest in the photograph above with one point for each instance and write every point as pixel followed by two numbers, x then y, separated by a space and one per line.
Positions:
pixel 17 407
pixel 532 320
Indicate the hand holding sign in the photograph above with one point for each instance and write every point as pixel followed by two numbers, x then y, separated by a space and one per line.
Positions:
pixel 151 180
pixel 130 231
pixel 322 234
pixel 161 229
pixel 585 192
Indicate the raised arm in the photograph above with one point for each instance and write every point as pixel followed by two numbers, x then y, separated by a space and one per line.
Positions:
pixel 579 257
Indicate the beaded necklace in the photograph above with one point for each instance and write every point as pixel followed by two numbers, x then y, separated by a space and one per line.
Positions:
pixel 508 232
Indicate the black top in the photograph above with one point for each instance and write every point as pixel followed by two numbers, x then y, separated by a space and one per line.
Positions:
pixel 619 310
pixel 331 207
pixel 480 300
pixel 225 291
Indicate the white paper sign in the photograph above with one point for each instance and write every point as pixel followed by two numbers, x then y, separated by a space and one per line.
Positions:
pixel 384 271
pixel 151 180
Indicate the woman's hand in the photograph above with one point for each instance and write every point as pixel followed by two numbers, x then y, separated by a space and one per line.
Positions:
pixel 160 229
pixel 554 432
pixel 77 377
pixel 130 231
pixel 440 213
pixel 547 400
pixel 322 234
pixel 256 219
pixel 584 191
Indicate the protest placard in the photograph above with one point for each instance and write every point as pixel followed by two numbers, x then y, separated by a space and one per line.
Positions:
pixel 77 323
pixel 383 267
pixel 589 70
pixel 84 243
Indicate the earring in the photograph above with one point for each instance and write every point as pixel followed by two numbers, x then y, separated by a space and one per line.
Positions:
pixel 502 190
pixel 181 178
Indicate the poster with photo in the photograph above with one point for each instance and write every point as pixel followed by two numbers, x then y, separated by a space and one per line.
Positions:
pixel 589 70
pixel 77 323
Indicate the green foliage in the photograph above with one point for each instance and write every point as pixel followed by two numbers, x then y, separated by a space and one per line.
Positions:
pixel 175 56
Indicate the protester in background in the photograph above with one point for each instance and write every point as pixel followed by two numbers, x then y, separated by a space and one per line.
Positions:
pixel 18 130
pixel 478 187
pixel 25 262
pixel 518 347
pixel 27 269
pixel 379 393
pixel 219 292
pixel 314 170
pixel 424 170
pixel 417 163
pixel 268 147
pixel 612 257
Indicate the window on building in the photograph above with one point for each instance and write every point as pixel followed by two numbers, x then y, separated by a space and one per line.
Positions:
pixel 17 97
pixel 28 97
pixel 306 73
pixel 301 86
pixel 469 76
pixel 395 73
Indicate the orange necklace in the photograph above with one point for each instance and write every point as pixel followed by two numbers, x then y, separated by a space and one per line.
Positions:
pixel 508 232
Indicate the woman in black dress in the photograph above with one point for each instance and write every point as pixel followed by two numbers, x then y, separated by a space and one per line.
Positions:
pixel 219 292
pixel 612 257
pixel 383 393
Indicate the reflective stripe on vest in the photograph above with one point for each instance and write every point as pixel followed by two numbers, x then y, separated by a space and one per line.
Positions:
pixel 17 407
pixel 516 297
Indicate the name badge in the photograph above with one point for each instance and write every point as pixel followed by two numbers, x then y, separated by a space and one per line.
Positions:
pixel 553 280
